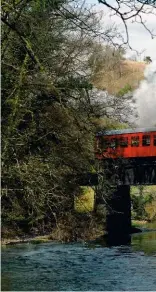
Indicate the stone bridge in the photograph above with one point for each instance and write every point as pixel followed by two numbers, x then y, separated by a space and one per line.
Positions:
pixel 122 173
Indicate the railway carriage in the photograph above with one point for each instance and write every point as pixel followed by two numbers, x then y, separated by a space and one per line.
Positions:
pixel 126 143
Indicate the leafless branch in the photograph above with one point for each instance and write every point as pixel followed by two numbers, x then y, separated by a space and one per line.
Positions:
pixel 129 10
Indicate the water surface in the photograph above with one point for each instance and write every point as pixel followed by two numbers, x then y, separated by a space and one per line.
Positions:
pixel 81 266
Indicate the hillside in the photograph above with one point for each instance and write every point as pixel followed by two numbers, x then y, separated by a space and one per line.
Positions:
pixel 124 73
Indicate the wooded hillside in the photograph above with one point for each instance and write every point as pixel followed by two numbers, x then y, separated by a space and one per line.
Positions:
pixel 126 73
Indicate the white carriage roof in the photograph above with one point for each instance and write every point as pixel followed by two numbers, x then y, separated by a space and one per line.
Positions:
pixel 125 131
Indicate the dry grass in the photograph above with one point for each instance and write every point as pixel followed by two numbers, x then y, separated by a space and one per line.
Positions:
pixel 77 227
pixel 129 72
pixel 150 209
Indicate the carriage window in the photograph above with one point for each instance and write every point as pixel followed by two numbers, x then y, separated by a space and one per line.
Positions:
pixel 104 143
pixel 123 142
pixel 146 140
pixel 113 143
pixel 135 141
pixel 107 143
pixel 154 140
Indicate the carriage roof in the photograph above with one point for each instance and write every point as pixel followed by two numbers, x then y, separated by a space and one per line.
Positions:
pixel 125 131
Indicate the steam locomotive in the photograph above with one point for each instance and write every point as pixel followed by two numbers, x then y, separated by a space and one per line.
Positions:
pixel 126 143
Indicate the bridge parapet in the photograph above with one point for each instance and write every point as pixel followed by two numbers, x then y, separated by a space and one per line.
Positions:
pixel 136 171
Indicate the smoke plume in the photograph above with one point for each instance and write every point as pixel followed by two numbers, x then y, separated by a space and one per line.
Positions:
pixel 145 97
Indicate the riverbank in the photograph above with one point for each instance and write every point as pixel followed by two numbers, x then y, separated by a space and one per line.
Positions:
pixel 35 240
pixel 139 223
pixel 144 224
pixel 71 228
pixel 50 237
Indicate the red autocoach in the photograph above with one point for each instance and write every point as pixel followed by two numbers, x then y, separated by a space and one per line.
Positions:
pixel 126 143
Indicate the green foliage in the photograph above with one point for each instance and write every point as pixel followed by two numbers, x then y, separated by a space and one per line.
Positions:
pixel 48 108
pixel 84 201
pixel 109 124
pixel 126 89
pixel 45 137
pixel 147 59
pixel 143 202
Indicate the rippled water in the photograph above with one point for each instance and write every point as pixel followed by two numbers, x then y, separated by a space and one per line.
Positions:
pixel 81 267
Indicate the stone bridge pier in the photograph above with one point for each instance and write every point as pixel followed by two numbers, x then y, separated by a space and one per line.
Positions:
pixel 118 219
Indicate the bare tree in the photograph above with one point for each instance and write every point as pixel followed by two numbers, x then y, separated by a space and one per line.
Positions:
pixel 132 10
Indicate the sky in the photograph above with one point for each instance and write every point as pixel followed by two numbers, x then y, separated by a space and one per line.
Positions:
pixel 140 39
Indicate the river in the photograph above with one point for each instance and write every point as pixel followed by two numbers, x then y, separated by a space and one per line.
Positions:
pixel 90 266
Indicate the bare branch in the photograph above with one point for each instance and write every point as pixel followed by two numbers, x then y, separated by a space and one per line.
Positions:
pixel 128 10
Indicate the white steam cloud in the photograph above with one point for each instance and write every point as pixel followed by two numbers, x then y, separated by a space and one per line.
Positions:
pixel 145 97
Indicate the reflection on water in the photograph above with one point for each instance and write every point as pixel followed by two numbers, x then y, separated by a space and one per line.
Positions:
pixel 96 266
pixel 111 240
pixel 151 225
pixel 146 242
